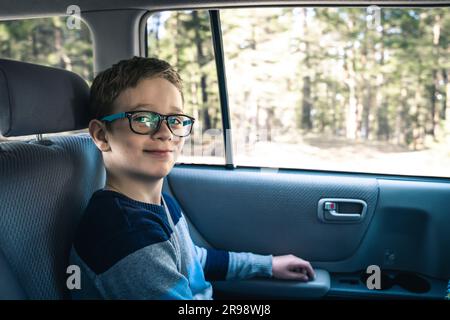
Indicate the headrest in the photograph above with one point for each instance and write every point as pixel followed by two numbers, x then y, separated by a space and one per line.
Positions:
pixel 36 99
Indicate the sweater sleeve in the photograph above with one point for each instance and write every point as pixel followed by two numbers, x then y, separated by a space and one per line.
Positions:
pixel 148 273
pixel 244 265
pixel 224 265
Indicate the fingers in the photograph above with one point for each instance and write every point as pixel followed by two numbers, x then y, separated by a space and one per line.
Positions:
pixel 295 275
pixel 291 267
pixel 310 271
pixel 305 268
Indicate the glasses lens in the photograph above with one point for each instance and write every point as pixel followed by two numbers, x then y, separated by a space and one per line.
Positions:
pixel 145 122
pixel 180 125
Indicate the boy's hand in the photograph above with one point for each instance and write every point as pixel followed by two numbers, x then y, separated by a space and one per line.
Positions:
pixel 290 267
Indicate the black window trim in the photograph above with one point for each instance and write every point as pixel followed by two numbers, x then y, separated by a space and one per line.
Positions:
pixel 216 32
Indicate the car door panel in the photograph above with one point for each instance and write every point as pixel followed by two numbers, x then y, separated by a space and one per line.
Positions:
pixel 246 210
pixel 276 212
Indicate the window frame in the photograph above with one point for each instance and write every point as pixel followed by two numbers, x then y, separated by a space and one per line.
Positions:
pixel 216 31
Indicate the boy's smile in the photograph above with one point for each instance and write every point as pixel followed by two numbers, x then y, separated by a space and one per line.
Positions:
pixel 160 154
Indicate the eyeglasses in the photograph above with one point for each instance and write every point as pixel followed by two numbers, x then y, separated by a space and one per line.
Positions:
pixel 149 122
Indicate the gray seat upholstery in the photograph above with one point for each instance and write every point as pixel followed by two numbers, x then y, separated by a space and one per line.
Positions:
pixel 44 185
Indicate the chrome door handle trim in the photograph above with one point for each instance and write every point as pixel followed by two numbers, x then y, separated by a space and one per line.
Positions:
pixel 333 216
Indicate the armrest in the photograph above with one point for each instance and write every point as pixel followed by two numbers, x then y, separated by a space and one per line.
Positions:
pixel 276 289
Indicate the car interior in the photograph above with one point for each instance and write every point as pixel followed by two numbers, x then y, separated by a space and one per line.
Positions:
pixel 400 223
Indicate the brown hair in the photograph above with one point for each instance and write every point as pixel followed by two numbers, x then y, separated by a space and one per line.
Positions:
pixel 125 74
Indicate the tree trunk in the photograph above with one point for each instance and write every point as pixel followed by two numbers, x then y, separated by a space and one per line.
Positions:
pixel 306 122
pixel 306 103
pixel 445 96
pixel 203 76
pixel 436 36
pixel 433 92
pixel 351 119
pixel 350 80
pixel 64 60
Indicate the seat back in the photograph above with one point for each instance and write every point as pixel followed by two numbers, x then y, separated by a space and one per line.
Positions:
pixel 46 184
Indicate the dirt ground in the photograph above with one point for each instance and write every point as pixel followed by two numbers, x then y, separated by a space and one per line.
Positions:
pixel 337 154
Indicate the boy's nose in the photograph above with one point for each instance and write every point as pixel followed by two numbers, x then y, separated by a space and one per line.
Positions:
pixel 163 132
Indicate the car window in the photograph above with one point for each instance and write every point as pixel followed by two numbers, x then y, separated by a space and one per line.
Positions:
pixel 183 38
pixel 51 42
pixel 346 89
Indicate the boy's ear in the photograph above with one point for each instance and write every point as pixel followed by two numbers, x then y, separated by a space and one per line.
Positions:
pixel 99 134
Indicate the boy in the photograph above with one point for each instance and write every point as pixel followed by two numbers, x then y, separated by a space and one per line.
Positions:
pixel 133 241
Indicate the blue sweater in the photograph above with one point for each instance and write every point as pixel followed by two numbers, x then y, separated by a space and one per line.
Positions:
pixel 127 249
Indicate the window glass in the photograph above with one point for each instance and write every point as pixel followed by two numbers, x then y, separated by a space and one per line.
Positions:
pixel 183 38
pixel 342 89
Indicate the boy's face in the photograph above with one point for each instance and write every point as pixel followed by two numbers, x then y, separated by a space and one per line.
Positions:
pixel 144 156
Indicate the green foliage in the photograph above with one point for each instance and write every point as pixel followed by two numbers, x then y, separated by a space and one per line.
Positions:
pixel 184 39
pixel 48 41
pixel 318 70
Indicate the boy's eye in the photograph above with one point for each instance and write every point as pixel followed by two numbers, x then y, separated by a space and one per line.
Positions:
pixel 175 121
pixel 142 119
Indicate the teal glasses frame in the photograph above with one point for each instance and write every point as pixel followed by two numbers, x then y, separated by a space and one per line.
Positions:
pixel 161 117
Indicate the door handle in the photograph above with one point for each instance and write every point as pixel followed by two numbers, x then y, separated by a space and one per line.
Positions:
pixel 336 210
